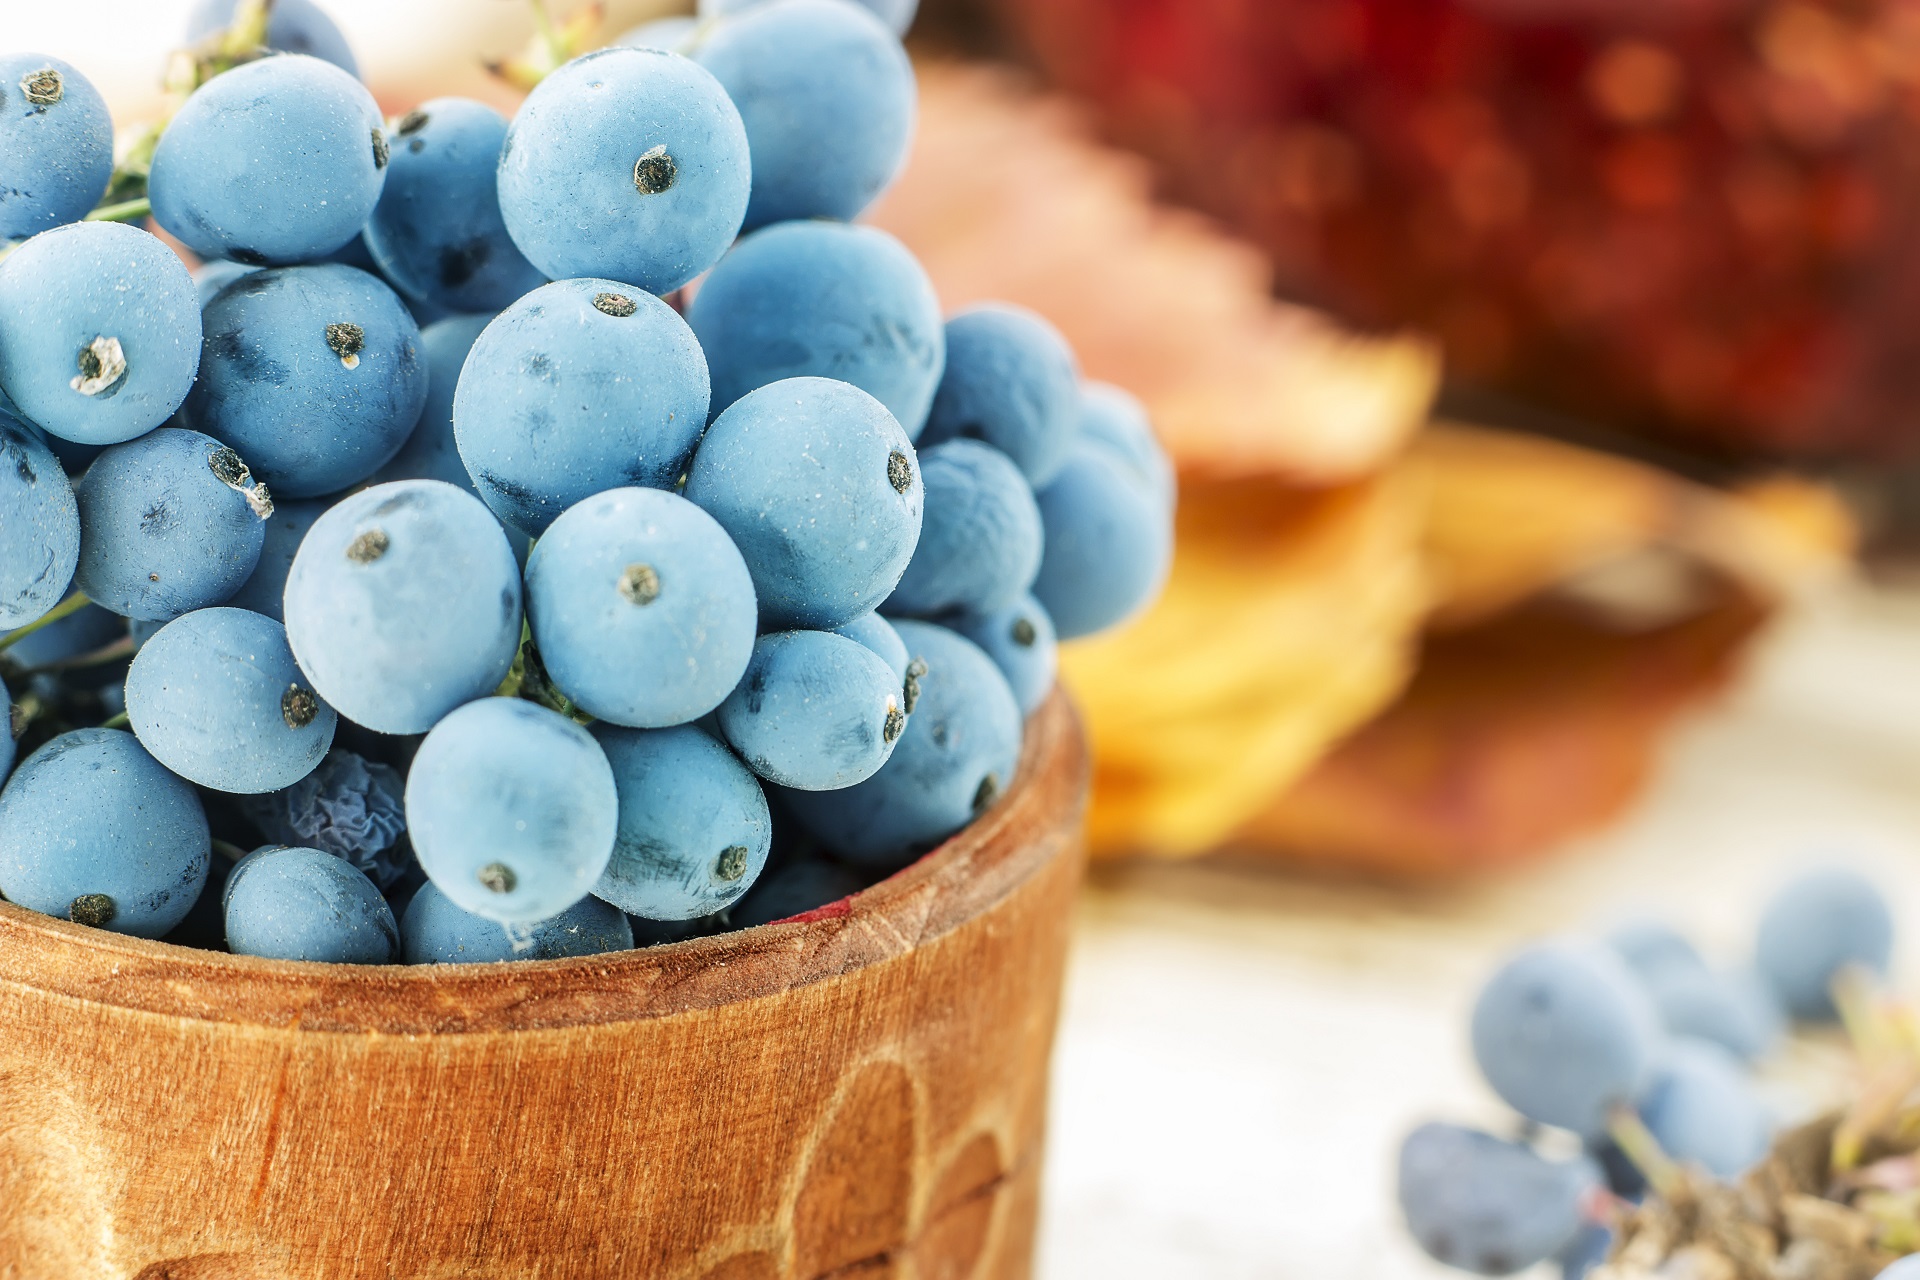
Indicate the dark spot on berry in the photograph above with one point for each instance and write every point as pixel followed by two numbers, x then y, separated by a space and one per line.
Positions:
pixel 92 909
pixel 654 171
pixel 896 722
pixel 987 793
pixel 497 877
pixel 379 148
pixel 298 707
pixel 43 87
pixel 910 690
pixel 412 122
pixel 461 262
pixel 639 584
pixel 416 145
pixel 368 546
pixel 732 864
pixel 347 340
pixel 157 518
pixel 618 305
pixel 1024 633
pixel 899 472
pixel 756 690
pixel 248 257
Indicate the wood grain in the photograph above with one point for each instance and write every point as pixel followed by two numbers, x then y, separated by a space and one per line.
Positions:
pixel 856 1093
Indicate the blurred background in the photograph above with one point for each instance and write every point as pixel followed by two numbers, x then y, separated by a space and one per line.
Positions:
pixel 1544 382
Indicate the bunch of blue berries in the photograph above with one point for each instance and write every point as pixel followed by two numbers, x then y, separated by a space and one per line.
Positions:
pixel 518 538
pixel 1629 1062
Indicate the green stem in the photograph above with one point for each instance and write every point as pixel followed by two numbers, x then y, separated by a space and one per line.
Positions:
pixel 116 722
pixel 65 609
pixel 231 852
pixel 1633 1137
pixel 125 211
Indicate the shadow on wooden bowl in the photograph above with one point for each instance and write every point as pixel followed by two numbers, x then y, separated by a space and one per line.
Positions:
pixel 857 1092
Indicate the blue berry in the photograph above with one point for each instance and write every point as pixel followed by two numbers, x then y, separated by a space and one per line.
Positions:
pixel 1021 643
pixel 350 807
pixel 956 758
pixel 169 523
pixel 626 164
pixel 641 608
pixel 99 332
pixel 875 632
pixel 313 373
pixel 1488 1206
pixel 1816 926
pixel 1563 1033
pixel 215 696
pixel 815 711
pixel 1907 1268
pixel 293 26
pixel 670 35
pixel 579 387
pixel 6 733
pixel 437 233
pixel 40 535
pixel 1109 543
pixel 819 488
pixel 209 278
pixel 1011 380
pixel 980 539
pixel 827 96
pixel 1114 418
pixel 1702 1110
pixel 264 591
pixel 1735 1011
pixel 795 888
pixel 694 826
pixel 823 300
pixel 435 931
pixel 56 144
pixel 897 14
pixel 274 162
pixel 94 829
pixel 1653 948
pixel 404 603
pixel 305 904
pixel 512 810
pixel 1588 1250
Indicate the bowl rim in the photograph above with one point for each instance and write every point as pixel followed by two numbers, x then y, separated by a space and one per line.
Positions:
pixel 1036 822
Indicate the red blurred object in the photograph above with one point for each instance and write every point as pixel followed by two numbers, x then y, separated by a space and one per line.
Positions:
pixel 1689 217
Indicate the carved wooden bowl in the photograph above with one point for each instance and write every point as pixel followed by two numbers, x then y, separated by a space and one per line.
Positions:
pixel 858 1092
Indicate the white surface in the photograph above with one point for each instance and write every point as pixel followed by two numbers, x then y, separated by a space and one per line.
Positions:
pixel 1242 1051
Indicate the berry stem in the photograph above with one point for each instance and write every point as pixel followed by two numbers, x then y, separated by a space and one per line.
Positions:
pixel 116 722
pixel 65 609
pixel 1633 1137
pixel 124 211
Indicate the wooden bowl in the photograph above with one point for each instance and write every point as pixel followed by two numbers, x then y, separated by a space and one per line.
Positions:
pixel 858 1092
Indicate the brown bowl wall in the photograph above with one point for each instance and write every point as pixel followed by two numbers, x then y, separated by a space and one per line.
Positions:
pixel 860 1092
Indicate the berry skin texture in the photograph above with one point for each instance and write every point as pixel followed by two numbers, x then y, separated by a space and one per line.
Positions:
pixel 92 826
pixel 404 603
pixel 579 387
pixel 265 590
pixel 435 931
pixel 628 164
pixel 1703 1110
pixel 1012 381
pixel 215 696
pixel 313 373
pixel 348 806
pixel 1563 1032
pixel 815 711
pixel 56 145
pixel 955 759
pixel 209 278
pixel 512 810
pixel 162 533
pixel 6 739
pixel 695 830
pixel 980 539
pixel 1112 417
pixel 1021 642
pixel 437 233
pixel 40 536
pixel 819 488
pixel 274 162
pixel 304 904
pixel 877 634
pixel 641 608
pixel 1109 544
pixel 823 300
pixel 99 332
pixel 897 14
pixel 828 99
pixel 1816 926
pixel 1490 1207
pixel 293 26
